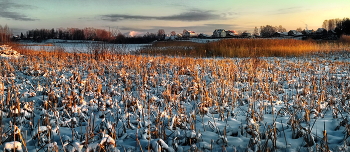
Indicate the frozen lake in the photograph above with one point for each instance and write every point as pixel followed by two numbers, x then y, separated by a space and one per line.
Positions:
pixel 84 46
pixel 88 46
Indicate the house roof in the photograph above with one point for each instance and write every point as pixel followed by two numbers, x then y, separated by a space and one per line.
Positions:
pixel 295 32
pixel 286 33
pixel 219 30
pixel 308 31
pixel 281 33
pixel 319 30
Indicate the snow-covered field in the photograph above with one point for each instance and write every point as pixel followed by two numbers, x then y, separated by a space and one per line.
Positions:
pixel 137 103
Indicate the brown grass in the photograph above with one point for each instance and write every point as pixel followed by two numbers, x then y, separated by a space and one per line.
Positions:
pixel 345 39
pixel 247 48
pixel 175 48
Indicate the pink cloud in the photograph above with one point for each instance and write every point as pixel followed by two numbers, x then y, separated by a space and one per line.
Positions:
pixel 135 33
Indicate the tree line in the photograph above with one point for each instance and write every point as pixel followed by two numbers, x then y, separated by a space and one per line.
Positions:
pixel 338 26
pixel 86 34
pixel 69 34
pixel 341 27
pixel 268 30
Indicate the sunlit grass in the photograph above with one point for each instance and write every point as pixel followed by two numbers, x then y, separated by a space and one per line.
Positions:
pixel 247 48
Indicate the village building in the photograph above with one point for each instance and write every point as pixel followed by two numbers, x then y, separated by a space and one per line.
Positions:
pixel 280 34
pixel 190 34
pixel 294 33
pixel 202 35
pixel 321 31
pixel 246 35
pixel 219 33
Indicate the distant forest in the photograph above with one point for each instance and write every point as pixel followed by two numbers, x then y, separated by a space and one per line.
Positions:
pixel 91 34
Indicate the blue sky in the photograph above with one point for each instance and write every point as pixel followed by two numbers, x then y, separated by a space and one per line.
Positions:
pixel 141 16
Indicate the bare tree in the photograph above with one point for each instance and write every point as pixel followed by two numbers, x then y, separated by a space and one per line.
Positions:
pixel 280 29
pixel 325 24
pixel 5 34
pixel 89 33
pixel 1 34
pixel 299 29
pixel 161 34
pixel 256 31
pixel 267 31
pixel 330 24
pixel 184 31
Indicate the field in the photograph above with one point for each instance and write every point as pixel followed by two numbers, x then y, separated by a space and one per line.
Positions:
pixel 102 101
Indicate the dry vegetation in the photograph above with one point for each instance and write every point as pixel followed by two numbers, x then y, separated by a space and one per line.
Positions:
pixel 144 97
pixel 248 47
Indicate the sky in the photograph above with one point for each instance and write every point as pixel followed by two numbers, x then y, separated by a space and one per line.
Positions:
pixel 136 17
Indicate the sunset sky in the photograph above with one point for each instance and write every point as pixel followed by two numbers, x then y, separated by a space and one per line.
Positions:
pixel 141 16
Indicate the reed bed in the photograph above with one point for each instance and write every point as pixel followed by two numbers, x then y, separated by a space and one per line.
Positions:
pixel 345 39
pixel 109 102
pixel 248 48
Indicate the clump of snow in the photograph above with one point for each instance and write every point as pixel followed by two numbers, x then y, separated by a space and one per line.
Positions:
pixel 13 145
pixel 6 51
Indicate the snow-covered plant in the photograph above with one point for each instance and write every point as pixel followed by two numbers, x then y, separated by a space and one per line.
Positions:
pixel 13 146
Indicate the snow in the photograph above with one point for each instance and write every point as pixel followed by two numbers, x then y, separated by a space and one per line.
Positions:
pixel 290 104
pixel 13 145
pixel 206 40
pixel 7 52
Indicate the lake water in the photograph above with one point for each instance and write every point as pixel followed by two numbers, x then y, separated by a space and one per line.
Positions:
pixel 85 47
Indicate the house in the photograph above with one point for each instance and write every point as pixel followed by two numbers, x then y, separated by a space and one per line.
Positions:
pixel 190 34
pixel 178 35
pixel 202 35
pixel 307 32
pixel 219 33
pixel 294 33
pixel 245 34
pixel 171 37
pixel 280 34
pixel 321 31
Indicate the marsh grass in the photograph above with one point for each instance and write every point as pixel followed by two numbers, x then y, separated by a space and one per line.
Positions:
pixel 247 47
pixel 345 39
pixel 175 48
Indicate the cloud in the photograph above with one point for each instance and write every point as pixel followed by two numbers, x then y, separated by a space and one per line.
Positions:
pixel 287 10
pixel 119 17
pixel 6 11
pixel 134 33
pixel 15 16
pixel 124 28
pixel 193 15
